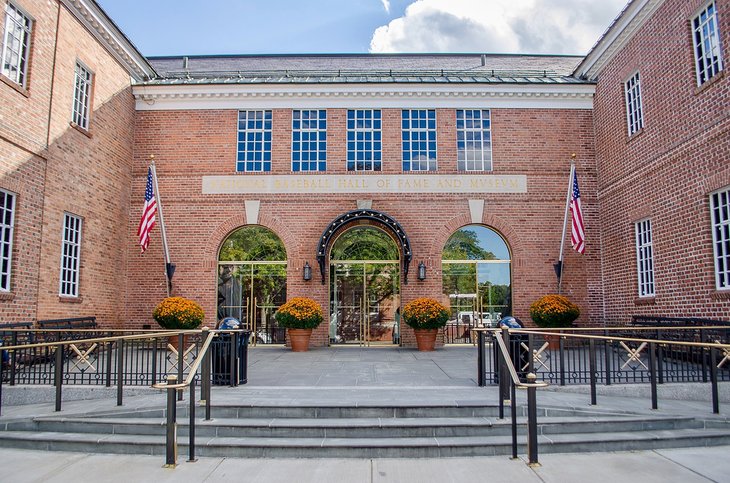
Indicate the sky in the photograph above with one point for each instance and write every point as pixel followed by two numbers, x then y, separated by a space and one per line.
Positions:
pixel 194 27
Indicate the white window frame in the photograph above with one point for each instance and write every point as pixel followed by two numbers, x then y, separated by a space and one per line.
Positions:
pixel 644 258
pixel 706 43
pixel 483 155
pixel 83 80
pixel 415 127
pixel 314 126
pixel 720 219
pixel 7 227
pixel 634 105
pixel 18 27
pixel 70 255
pixel 253 141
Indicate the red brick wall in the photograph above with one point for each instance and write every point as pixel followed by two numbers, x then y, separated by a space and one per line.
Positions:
pixel 190 144
pixel 666 171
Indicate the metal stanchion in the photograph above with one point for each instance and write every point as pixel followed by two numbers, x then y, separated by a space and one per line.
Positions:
pixel 513 410
pixel 592 369
pixel 58 374
pixel 191 433
pixel 713 379
pixel 120 371
pixel 180 361
pixel 532 421
pixel 653 375
pixel 481 369
pixel 171 434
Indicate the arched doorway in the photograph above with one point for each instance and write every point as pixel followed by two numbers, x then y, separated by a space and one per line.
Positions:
pixel 252 281
pixel 364 287
pixel 477 279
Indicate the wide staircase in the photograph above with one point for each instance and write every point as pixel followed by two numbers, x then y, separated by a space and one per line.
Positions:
pixel 359 431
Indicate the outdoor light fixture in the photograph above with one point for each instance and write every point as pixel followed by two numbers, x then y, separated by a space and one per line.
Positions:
pixel 421 271
pixel 307 272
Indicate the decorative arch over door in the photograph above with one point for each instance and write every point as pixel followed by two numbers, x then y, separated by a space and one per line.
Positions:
pixel 383 220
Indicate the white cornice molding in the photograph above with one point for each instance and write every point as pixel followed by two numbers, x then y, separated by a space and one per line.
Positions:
pixel 616 38
pixel 109 35
pixel 209 97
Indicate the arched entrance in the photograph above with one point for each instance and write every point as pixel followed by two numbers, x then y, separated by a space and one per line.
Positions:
pixel 364 287
pixel 252 281
pixel 477 279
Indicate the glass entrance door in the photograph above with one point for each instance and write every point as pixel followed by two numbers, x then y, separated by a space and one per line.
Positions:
pixel 365 303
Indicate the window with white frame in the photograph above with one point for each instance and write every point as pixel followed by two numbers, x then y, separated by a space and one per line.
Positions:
pixel 419 139
pixel 364 140
pixel 70 256
pixel 82 96
pixel 720 208
pixel 645 258
pixel 254 141
pixel 16 44
pixel 706 40
pixel 309 140
pixel 7 220
pixel 473 140
pixel 634 110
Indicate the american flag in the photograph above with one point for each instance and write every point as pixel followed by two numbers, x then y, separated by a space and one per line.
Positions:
pixel 148 213
pixel 577 235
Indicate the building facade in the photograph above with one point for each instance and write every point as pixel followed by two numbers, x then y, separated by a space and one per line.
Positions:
pixel 365 181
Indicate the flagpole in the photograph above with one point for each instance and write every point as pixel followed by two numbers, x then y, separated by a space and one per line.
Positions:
pixel 559 266
pixel 162 223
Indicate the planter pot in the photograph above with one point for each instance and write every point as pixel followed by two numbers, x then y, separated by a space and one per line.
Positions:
pixel 426 339
pixel 299 339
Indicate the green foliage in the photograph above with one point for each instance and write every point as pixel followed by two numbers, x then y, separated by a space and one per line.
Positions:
pixel 252 243
pixel 464 245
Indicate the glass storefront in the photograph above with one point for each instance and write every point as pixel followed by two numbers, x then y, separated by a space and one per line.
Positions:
pixel 476 267
pixel 252 282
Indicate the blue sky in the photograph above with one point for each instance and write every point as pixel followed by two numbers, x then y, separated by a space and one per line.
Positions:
pixel 187 27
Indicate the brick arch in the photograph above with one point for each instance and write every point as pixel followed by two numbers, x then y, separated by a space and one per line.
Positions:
pixel 222 231
pixel 514 242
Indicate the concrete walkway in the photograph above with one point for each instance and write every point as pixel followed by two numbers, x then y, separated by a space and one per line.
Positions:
pixel 356 376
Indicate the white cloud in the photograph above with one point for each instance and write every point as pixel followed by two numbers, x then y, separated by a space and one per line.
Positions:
pixel 511 26
pixel 386 5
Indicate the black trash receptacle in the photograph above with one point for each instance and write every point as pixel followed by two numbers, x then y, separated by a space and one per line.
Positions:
pixel 229 354
pixel 519 353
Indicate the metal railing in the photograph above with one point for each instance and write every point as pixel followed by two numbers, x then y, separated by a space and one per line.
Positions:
pixel 653 355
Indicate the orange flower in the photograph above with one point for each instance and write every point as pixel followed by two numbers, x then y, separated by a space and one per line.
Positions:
pixel 554 311
pixel 425 313
pixel 299 313
pixel 178 313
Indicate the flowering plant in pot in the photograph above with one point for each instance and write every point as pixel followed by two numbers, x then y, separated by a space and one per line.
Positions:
pixel 553 312
pixel 299 315
pixel 425 315
pixel 178 313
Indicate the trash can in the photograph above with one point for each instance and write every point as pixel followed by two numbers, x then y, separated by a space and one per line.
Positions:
pixel 519 353
pixel 230 354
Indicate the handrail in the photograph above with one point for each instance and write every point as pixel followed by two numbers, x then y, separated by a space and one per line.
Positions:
pixel 152 335
pixel 511 366
pixel 194 367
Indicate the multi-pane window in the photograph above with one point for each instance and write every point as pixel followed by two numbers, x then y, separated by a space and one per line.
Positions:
pixel 720 207
pixel 70 256
pixel 419 139
pixel 309 140
pixel 644 258
pixel 706 39
pixel 82 96
pixel 364 140
pixel 634 111
pixel 473 140
pixel 7 218
pixel 254 141
pixel 16 44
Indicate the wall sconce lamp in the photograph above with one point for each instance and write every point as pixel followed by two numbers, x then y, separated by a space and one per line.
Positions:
pixel 421 271
pixel 307 272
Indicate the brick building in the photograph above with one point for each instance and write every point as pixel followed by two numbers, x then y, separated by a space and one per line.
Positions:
pixel 364 181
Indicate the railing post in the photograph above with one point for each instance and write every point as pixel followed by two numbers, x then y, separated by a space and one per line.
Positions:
pixel 180 361
pixel 501 373
pixel 155 343
pixel 58 374
pixel 713 379
pixel 532 421
pixel 171 433
pixel 561 351
pixel 592 368
pixel 109 347
pixel 504 373
pixel 660 357
pixel 513 411
pixel 191 431
pixel 13 358
pixel 481 369
pixel 607 357
pixel 120 371
pixel 205 385
pixel 653 375
pixel 232 359
pixel 530 353
pixel 703 339
pixel 1 386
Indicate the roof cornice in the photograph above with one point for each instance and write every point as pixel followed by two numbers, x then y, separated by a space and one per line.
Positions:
pixel 616 37
pixel 111 37
pixel 184 97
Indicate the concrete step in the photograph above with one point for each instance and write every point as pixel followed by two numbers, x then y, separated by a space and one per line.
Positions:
pixel 362 447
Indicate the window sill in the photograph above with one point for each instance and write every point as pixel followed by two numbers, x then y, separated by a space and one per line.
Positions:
pixel 7 295
pixel 720 295
pixel 83 131
pixel 70 300
pixel 645 301
pixel 700 89
pixel 635 135
pixel 15 86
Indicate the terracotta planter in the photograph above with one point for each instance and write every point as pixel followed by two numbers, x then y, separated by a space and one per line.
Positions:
pixel 299 339
pixel 426 339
